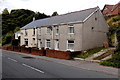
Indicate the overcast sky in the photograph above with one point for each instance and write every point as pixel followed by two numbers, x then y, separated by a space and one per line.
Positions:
pixel 49 6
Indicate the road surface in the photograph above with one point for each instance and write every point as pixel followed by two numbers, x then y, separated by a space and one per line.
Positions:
pixel 20 66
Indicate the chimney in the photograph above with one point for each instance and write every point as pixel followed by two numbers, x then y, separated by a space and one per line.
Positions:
pixel 33 18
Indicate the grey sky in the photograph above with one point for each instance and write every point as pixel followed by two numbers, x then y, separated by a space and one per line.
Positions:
pixel 49 6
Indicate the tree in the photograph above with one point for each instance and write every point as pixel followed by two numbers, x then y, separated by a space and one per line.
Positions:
pixel 16 29
pixel 13 21
pixel 5 11
pixel 55 13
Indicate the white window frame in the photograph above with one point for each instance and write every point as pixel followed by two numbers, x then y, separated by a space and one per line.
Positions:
pixel 39 31
pixel 34 31
pixel 57 30
pixel 70 44
pixel 26 33
pixel 71 26
pixel 48 30
pixel 46 42
pixel 26 39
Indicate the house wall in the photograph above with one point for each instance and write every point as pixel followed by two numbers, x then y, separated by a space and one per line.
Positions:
pixel 94 37
pixel 30 37
pixel 107 11
pixel 62 36
pixel 116 11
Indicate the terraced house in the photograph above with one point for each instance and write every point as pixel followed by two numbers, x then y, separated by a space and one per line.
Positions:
pixel 73 31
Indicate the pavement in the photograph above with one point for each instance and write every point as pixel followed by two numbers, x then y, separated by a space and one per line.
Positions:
pixel 79 64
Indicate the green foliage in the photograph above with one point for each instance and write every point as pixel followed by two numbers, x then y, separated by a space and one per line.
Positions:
pixel 5 11
pixel 15 42
pixel 7 38
pixel 16 29
pixel 114 61
pixel 90 52
pixel 118 38
pixel 13 21
pixel 114 23
pixel 55 13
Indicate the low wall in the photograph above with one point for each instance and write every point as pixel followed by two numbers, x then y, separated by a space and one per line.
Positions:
pixel 39 52
pixel 58 54
pixel 25 50
pixel 43 52
pixel 10 48
pixel 17 48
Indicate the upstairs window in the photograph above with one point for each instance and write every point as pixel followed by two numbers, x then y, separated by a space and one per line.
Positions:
pixel 71 28
pixel 26 32
pixel 105 9
pixel 57 29
pixel 39 31
pixel 33 31
pixel 49 29
pixel 70 45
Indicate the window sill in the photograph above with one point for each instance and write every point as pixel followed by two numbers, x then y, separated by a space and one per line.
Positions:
pixel 70 50
pixel 71 33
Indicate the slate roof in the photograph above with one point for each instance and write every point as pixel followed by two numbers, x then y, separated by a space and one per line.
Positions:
pixel 64 18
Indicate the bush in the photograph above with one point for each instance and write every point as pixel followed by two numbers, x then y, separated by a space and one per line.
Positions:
pixel 15 42
pixel 7 38
pixel 114 61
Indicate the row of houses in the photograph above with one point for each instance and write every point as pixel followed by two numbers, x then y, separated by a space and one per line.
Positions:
pixel 75 31
pixel 111 10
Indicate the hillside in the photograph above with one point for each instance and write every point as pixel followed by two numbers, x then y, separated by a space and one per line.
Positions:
pixel 13 21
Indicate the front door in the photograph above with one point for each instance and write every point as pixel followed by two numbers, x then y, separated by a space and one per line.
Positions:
pixel 39 43
pixel 56 45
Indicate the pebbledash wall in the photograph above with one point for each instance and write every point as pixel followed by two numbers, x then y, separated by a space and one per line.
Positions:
pixel 90 33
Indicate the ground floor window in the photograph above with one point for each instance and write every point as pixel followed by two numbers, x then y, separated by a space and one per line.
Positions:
pixel 26 41
pixel 70 45
pixel 47 43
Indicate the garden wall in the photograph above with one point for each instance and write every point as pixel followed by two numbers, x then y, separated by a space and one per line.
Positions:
pixel 58 54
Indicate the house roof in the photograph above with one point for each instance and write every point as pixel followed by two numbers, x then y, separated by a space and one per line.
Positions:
pixel 64 18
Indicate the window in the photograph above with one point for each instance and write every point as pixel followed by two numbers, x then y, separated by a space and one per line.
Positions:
pixel 95 19
pixel 105 9
pixel 47 43
pixel 33 31
pixel 33 40
pixel 70 45
pixel 26 33
pixel 57 29
pixel 49 29
pixel 39 31
pixel 71 28
pixel 26 41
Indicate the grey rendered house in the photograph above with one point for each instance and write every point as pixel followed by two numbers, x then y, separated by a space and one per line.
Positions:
pixel 75 31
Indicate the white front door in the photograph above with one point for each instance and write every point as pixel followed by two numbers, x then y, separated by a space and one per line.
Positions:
pixel 56 45
pixel 39 44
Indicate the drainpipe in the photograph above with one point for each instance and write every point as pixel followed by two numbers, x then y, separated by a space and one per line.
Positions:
pixel 53 36
pixel 37 36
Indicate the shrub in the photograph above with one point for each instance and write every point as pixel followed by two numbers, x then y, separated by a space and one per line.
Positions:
pixel 15 42
pixel 114 61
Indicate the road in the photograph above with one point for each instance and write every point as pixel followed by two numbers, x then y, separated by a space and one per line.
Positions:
pixel 21 66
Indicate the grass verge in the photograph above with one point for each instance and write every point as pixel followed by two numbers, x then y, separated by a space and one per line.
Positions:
pixel 90 52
